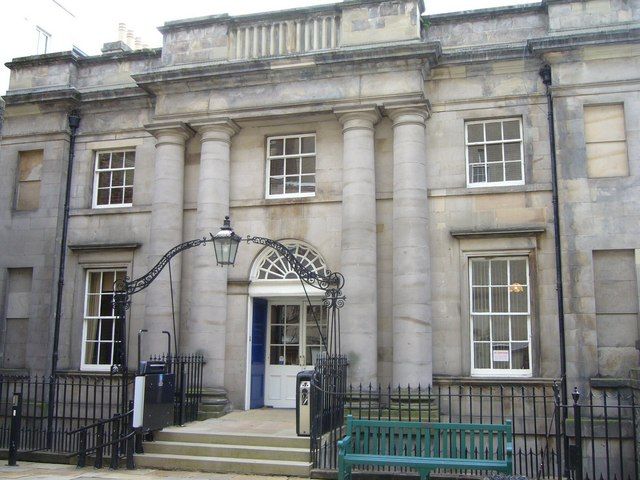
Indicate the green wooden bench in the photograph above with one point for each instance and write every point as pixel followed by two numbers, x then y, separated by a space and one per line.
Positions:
pixel 425 446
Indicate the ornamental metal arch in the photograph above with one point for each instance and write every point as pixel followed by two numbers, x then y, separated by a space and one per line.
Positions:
pixel 271 265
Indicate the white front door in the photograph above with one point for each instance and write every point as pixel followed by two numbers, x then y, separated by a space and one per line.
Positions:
pixel 293 342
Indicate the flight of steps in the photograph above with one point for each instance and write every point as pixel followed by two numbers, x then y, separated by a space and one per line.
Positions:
pixel 228 453
pixel 214 403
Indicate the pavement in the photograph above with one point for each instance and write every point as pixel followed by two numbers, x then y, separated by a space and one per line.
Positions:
pixel 275 422
pixel 42 471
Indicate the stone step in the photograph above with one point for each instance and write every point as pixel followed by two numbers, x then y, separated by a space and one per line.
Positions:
pixel 214 392
pixel 233 439
pixel 207 415
pixel 212 407
pixel 245 466
pixel 228 451
pixel 214 403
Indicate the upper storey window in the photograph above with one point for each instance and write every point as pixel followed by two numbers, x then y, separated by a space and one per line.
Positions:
pixel 113 179
pixel 291 166
pixel 494 152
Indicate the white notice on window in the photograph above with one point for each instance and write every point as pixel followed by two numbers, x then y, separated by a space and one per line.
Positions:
pixel 501 355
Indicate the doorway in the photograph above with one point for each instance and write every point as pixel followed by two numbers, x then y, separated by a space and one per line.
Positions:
pixel 295 331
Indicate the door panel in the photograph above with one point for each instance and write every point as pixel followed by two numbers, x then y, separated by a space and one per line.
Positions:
pixel 258 352
pixel 293 342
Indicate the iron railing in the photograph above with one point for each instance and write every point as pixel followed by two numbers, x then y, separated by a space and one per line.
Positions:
pixel 328 399
pixel 609 424
pixel 604 433
pixel 85 400
pixel 79 400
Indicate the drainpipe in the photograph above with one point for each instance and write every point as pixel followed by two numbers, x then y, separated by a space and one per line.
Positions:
pixel 545 73
pixel 74 123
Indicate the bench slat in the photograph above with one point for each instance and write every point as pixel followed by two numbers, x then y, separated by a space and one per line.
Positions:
pixel 432 462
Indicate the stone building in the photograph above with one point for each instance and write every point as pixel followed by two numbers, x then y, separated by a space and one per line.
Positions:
pixel 410 153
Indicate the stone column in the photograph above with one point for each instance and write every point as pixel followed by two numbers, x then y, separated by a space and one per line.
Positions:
pixel 206 328
pixel 412 347
pixel 165 231
pixel 359 317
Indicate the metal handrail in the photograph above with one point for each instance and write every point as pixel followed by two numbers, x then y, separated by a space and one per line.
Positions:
pixel 103 445
pixel 101 422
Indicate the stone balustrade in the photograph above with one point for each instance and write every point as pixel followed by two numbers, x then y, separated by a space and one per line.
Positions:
pixel 276 38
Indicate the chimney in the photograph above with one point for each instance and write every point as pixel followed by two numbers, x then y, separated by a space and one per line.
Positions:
pixel 130 38
pixel 122 32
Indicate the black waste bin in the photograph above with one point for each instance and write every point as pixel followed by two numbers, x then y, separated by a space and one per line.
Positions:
pixel 153 399
pixel 303 403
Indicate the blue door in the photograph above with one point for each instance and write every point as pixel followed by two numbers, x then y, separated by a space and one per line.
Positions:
pixel 258 345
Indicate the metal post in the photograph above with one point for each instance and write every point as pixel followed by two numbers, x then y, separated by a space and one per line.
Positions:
pixel 16 417
pixel 558 422
pixel 183 395
pixel 545 74
pixel 99 446
pixel 115 444
pixel 131 441
pixel 577 456
pixel 82 449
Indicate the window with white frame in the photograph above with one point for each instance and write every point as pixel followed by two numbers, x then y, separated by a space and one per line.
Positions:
pixel 291 166
pixel 113 178
pixel 494 152
pixel 102 333
pixel 500 316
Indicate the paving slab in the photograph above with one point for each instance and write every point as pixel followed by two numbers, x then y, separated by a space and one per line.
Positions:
pixel 50 471
pixel 267 421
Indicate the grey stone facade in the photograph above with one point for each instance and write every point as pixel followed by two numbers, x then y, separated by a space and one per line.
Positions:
pixel 387 94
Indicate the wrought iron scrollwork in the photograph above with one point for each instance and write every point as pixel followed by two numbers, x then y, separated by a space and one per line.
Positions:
pixel 134 286
pixel 330 281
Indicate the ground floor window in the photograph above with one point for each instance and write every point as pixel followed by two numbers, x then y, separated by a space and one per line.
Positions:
pixel 102 333
pixel 500 316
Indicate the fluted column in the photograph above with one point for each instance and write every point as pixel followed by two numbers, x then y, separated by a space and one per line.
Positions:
pixel 412 342
pixel 359 326
pixel 206 328
pixel 165 230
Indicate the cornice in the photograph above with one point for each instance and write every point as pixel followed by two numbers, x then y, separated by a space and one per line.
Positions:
pixel 72 94
pixel 576 40
pixel 466 15
pixel 523 231
pixel 418 50
pixel 460 56
pixel 71 56
pixel 54 94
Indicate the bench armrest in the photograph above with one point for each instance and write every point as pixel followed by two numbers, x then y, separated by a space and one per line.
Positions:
pixel 345 445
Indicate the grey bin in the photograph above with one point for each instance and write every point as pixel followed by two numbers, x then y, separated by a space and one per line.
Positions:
pixel 303 403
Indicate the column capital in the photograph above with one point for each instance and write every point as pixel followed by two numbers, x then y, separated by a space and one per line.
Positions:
pixel 408 113
pixel 178 132
pixel 220 129
pixel 357 116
